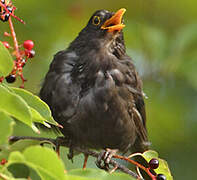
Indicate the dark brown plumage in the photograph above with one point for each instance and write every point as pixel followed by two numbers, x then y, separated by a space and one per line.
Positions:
pixel 94 91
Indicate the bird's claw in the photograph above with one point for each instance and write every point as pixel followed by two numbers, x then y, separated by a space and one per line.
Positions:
pixel 105 157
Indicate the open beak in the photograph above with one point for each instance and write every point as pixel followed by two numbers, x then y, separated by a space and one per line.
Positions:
pixel 115 22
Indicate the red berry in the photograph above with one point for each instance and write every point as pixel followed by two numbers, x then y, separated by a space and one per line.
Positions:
pixel 3 161
pixel 30 53
pixel 6 44
pixel 28 44
pixel 11 78
pixel 154 163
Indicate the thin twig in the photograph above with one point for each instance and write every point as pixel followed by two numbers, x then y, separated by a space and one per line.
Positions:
pixel 61 142
pixel 147 170
pixel 16 47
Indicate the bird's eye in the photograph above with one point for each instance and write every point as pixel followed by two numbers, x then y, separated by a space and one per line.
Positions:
pixel 96 20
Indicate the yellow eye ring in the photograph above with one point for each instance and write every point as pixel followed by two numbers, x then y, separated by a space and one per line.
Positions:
pixel 96 20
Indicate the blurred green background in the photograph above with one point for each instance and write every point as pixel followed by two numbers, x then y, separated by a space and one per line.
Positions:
pixel 161 37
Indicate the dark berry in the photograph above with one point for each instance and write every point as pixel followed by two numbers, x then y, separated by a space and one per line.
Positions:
pixel 30 53
pixel 153 163
pixel 5 17
pixel 6 44
pixel 11 78
pixel 161 177
pixel 28 44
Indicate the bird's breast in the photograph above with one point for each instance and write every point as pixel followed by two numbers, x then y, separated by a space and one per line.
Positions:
pixel 104 113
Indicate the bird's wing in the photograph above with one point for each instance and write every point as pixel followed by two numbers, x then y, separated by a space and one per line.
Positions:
pixel 58 90
pixel 138 108
pixel 140 121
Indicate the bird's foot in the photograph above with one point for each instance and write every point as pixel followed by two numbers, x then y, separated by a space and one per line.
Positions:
pixel 104 158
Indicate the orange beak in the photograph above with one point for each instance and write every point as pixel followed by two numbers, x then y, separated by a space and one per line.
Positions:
pixel 115 22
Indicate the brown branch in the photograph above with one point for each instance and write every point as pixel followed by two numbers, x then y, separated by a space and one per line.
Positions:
pixel 62 142
pixel 114 163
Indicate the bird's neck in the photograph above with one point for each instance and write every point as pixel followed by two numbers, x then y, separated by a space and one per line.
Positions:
pixel 83 44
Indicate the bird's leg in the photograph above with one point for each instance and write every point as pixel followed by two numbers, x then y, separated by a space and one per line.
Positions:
pixel 70 155
pixel 59 141
pixel 85 160
pixel 57 149
pixel 105 157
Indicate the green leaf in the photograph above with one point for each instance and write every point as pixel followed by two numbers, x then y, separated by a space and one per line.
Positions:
pixel 36 117
pixel 15 106
pixel 37 104
pixel 20 145
pixel 6 62
pixel 6 127
pixel 99 174
pixel 92 173
pixel 43 160
pixel 16 157
pixel 148 155
pixel 163 166
pixel 72 177
pixel 118 176
pixel 19 170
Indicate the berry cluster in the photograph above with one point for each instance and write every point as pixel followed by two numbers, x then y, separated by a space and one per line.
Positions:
pixel 19 63
pixel 154 164
pixel 4 15
pixel 6 10
pixel 20 55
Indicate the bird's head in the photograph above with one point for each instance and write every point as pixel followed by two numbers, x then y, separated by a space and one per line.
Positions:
pixel 104 29
pixel 105 21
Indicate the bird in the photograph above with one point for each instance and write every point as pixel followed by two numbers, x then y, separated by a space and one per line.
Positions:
pixel 94 91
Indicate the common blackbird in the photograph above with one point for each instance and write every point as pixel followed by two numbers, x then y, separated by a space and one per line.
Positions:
pixel 94 91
